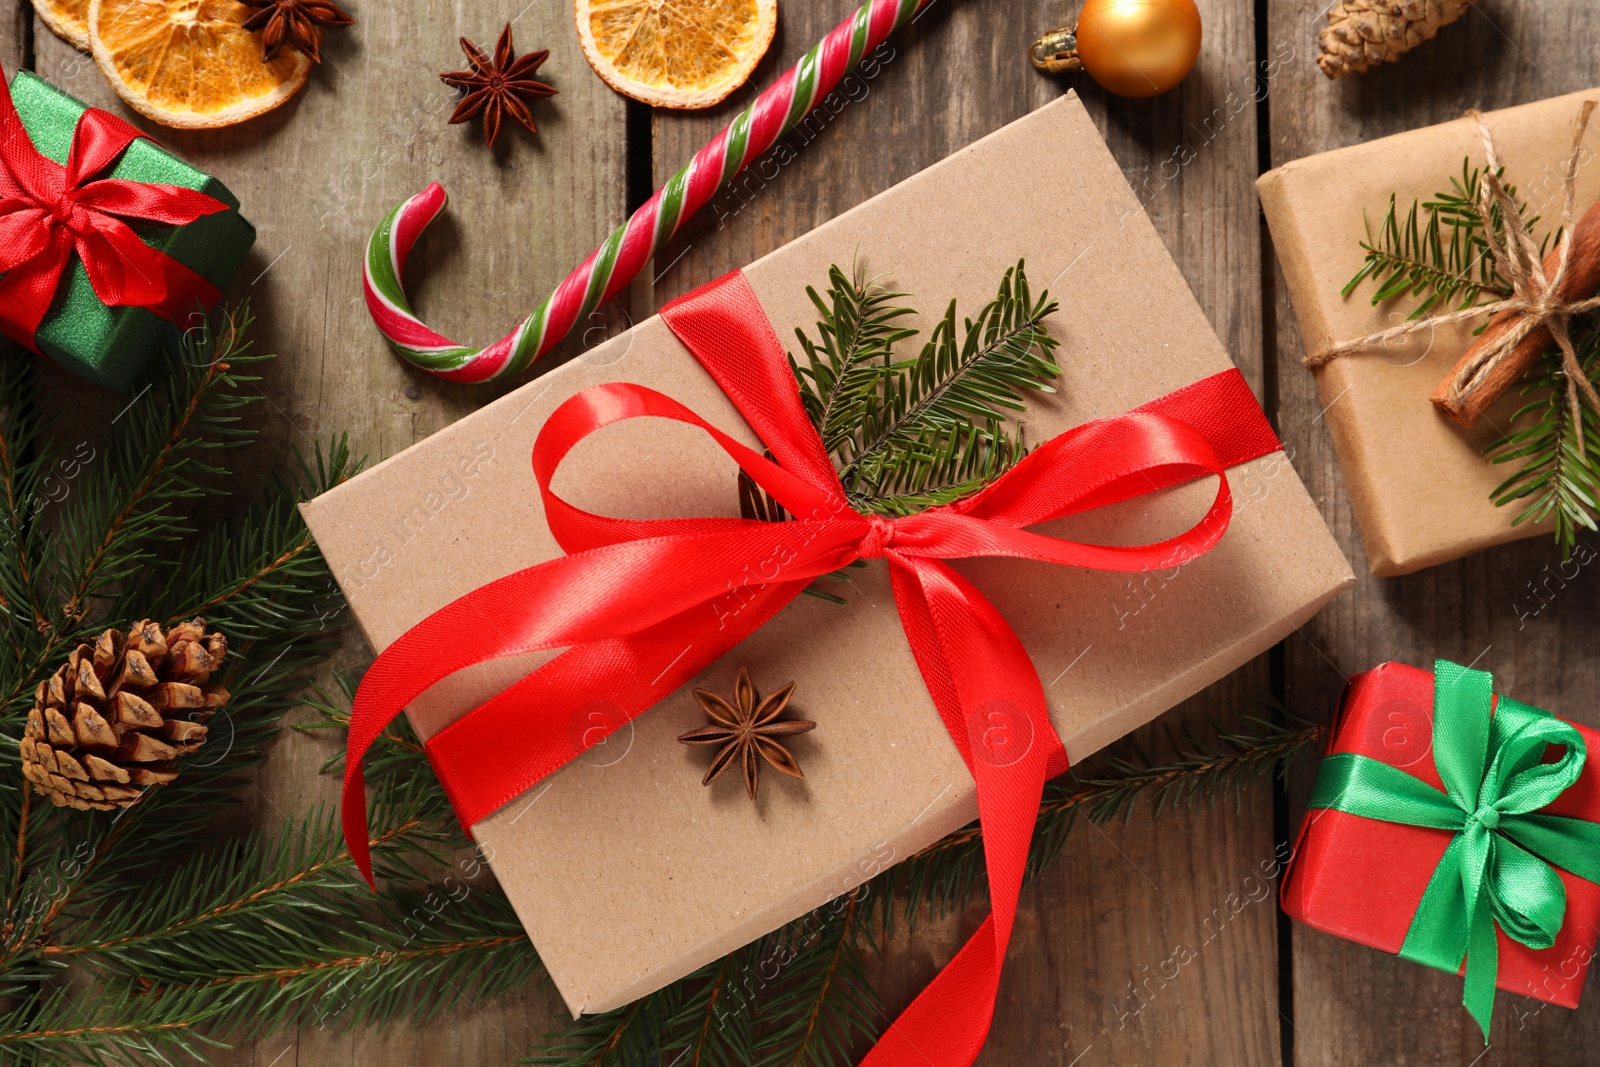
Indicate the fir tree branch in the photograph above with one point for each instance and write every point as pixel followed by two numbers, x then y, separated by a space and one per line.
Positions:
pixel 824 1005
pixel 703 1047
pixel 909 434
pixel 944 412
pixel 206 363
pixel 283 931
pixel 1417 259
pixel 319 968
pixel 302 547
pixel 610 1038
pixel 1200 772
pixel 946 874
pixel 169 919
pixel 127 501
pixel 21 860
pixel 1559 476
pixel 104 1025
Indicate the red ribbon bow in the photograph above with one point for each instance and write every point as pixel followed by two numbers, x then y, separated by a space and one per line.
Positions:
pixel 631 594
pixel 48 211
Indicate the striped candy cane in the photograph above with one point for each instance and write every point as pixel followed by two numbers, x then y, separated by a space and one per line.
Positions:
pixel 614 264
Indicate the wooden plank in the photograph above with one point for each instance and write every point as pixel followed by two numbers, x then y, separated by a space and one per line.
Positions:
pixel 15 16
pixel 1352 1004
pixel 1097 928
pixel 315 177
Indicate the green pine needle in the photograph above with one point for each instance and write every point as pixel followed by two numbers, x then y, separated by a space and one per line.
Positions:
pixel 909 434
pixel 1445 259
pixel 1204 767
pixel 1556 479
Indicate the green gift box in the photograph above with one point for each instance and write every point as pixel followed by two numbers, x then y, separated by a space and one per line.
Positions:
pixel 122 347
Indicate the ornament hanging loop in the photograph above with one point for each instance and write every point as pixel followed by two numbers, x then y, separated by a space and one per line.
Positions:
pixel 1133 48
pixel 1057 50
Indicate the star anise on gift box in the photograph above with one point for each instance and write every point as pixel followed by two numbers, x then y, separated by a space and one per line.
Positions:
pixel 748 729
pixel 502 85
pixel 296 22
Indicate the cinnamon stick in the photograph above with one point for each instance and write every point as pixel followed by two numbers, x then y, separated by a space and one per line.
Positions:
pixel 1581 281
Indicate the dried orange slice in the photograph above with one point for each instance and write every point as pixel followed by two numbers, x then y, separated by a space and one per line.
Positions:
pixel 190 62
pixel 676 53
pixel 67 19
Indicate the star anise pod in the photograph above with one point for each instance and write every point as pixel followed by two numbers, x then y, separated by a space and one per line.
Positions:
pixel 296 22
pixel 504 85
pixel 748 730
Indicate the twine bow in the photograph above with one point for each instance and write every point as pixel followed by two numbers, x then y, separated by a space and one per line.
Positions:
pixel 1499 869
pixel 1535 297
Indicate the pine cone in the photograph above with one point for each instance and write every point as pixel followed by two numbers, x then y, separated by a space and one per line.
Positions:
pixel 111 721
pixel 1363 33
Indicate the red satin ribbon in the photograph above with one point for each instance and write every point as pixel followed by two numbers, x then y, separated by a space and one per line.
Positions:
pixel 48 211
pixel 662 599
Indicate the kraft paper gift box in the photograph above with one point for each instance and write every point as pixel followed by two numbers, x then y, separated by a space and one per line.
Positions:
pixel 1419 484
pixel 1362 879
pixel 628 873
pixel 120 347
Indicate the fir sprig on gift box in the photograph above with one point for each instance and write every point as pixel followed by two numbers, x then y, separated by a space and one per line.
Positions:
pixel 908 434
pixel 1439 255
pixel 1556 477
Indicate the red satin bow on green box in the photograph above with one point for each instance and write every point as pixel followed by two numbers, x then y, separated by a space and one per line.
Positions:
pixel 631 594
pixel 49 211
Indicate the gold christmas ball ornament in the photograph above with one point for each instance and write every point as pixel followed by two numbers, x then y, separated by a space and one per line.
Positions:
pixel 1132 48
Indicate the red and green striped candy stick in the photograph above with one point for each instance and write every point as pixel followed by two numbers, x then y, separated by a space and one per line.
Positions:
pixel 614 264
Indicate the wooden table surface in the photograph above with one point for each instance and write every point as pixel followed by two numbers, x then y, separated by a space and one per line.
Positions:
pixel 1084 983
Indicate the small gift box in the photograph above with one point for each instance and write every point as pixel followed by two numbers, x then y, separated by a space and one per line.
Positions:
pixel 106 238
pixel 1419 482
pixel 1454 837
pixel 625 870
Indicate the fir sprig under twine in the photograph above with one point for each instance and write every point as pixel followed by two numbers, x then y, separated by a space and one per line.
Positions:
pixel 1534 297
pixel 1491 252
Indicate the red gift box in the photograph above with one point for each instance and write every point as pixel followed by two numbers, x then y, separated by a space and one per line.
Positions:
pixel 1362 879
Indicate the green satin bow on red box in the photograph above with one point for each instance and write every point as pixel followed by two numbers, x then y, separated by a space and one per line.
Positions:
pixel 1499 868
